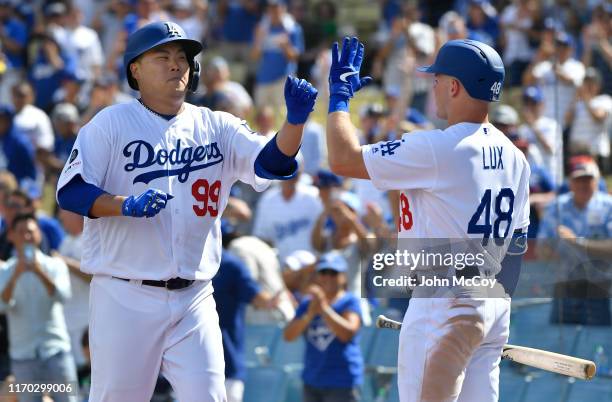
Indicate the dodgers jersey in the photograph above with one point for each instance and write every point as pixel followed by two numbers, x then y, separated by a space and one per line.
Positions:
pixel 467 181
pixel 196 157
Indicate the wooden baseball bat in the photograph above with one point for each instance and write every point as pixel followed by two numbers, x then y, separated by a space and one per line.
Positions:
pixel 542 359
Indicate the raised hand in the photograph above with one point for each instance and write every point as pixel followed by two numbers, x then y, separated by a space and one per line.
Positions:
pixel 344 78
pixel 300 98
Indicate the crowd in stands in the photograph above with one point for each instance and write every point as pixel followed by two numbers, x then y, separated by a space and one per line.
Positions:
pixel 61 63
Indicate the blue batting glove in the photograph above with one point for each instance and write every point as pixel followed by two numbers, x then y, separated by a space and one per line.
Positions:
pixel 300 97
pixel 344 78
pixel 147 204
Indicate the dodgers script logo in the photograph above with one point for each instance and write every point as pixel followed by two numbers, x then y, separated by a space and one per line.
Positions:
pixel 144 155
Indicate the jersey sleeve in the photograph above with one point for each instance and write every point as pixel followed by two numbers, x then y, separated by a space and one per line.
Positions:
pixel 243 147
pixel 522 218
pixel 408 163
pixel 89 158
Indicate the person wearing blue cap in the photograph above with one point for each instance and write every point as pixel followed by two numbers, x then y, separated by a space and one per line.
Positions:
pixel 329 320
pixel 543 133
pixel 467 183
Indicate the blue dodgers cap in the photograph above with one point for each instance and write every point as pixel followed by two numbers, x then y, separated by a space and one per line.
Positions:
pixel 332 260
pixel 326 178
pixel 476 65
pixel 533 93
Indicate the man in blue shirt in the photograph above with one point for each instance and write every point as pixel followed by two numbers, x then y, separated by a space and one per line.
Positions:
pixel 577 227
pixel 16 150
pixel 278 43
pixel 33 288
pixel 235 288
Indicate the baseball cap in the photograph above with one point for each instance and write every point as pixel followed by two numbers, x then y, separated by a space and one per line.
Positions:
pixel 55 9
pixel 564 39
pixel 533 93
pixel 65 112
pixel 326 178
pixel 299 259
pixel 332 260
pixel 504 114
pixel 581 167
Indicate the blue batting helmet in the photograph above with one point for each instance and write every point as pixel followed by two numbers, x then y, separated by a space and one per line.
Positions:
pixel 159 33
pixel 476 65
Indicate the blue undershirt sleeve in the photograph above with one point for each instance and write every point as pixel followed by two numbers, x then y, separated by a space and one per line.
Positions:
pixel 78 196
pixel 272 164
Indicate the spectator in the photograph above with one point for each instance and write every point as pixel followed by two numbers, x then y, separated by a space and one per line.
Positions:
pixel 264 121
pixel 314 147
pixel 32 121
pixel 339 228
pixel 558 74
pixel 590 117
pixel 75 308
pixel 49 66
pixel 13 37
pixel 33 289
pixel 298 272
pixel 285 216
pixel 108 23
pixel 191 16
pixel 221 93
pixel 320 29
pixel 234 290
pixel 329 321
pixel 238 19
pixel 482 22
pixel 16 152
pixel 71 90
pixel 580 222
pixel 105 92
pixel 276 48
pixel 66 121
pixel 516 21
pixel 264 269
pixel 80 42
pixel 597 38
pixel 541 189
pixel 543 133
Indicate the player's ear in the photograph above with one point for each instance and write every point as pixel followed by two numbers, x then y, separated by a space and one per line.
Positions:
pixel 454 88
pixel 135 69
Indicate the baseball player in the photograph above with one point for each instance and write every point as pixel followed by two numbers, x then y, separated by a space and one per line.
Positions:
pixel 152 178
pixel 465 182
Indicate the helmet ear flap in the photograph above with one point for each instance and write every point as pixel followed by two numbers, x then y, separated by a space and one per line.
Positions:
pixel 194 76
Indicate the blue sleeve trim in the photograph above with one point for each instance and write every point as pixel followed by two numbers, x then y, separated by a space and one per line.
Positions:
pixel 78 196
pixel 272 164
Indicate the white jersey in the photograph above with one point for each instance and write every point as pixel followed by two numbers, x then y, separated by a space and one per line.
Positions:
pixel 457 183
pixel 196 157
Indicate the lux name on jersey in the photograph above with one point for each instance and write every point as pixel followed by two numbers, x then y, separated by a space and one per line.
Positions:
pixel 144 155
pixel 492 158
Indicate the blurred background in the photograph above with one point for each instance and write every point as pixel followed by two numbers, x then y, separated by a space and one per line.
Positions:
pixel 61 63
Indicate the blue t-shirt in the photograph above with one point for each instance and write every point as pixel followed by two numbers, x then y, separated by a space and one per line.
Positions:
pixel 52 230
pixel 18 32
pixel 239 24
pixel 234 290
pixel 273 64
pixel 18 155
pixel 329 362
pixel 46 79
pixel 63 146
pixel 592 222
